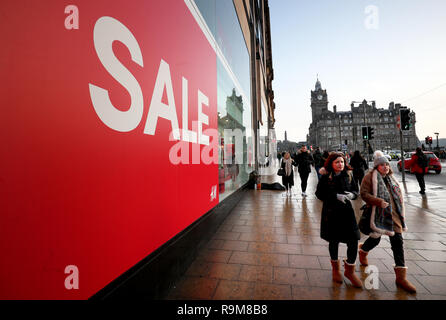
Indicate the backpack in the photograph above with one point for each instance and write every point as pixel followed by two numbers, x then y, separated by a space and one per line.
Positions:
pixel 423 162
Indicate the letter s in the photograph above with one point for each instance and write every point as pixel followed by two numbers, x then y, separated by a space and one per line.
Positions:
pixel 106 31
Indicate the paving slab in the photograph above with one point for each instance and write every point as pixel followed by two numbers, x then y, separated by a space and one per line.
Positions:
pixel 269 247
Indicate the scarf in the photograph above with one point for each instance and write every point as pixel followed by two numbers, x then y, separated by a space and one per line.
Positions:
pixel 381 221
pixel 397 196
pixel 288 166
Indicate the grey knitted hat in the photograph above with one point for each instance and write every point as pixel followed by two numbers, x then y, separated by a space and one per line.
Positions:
pixel 378 158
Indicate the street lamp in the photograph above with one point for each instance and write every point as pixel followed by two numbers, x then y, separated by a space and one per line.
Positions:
pixel 436 133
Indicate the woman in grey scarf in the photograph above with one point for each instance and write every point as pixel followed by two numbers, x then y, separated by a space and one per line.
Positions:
pixel 382 193
pixel 288 178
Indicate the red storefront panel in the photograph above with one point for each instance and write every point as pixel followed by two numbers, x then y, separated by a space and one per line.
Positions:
pixel 80 188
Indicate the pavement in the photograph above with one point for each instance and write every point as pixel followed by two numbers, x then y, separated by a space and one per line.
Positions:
pixel 269 248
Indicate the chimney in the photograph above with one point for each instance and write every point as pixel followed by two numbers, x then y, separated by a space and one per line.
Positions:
pixel 334 108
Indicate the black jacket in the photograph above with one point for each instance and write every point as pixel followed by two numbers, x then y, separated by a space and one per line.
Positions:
pixel 358 164
pixel 304 161
pixel 338 221
pixel 318 160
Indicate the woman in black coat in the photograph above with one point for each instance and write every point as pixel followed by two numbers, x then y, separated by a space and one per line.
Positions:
pixel 336 188
pixel 359 165
pixel 287 164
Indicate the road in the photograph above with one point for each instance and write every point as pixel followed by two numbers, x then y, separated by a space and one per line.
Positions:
pixel 431 177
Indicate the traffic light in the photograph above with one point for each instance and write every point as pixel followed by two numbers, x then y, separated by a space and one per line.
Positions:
pixel 370 148
pixel 371 132
pixel 405 118
pixel 365 133
pixel 426 140
pixel 430 140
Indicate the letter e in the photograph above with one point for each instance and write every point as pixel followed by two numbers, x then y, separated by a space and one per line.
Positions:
pixel 202 118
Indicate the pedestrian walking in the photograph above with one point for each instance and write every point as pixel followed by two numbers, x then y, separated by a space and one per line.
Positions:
pixel 318 162
pixel 419 165
pixel 359 165
pixel 304 160
pixel 287 164
pixel 336 188
pixel 382 193
pixel 325 155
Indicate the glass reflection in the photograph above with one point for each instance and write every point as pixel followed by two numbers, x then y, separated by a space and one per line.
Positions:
pixel 233 94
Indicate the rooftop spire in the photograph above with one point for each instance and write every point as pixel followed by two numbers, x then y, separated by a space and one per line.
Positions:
pixel 318 84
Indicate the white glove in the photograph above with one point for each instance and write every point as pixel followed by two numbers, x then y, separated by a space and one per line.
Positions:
pixel 342 197
pixel 350 195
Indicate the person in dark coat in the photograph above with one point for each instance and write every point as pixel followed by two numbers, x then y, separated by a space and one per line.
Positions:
pixel 325 156
pixel 318 161
pixel 417 159
pixel 359 165
pixel 304 160
pixel 336 188
pixel 287 164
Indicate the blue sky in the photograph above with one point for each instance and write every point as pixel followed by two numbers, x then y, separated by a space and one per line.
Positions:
pixel 402 59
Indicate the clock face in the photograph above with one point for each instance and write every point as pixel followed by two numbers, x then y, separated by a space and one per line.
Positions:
pixel 319 97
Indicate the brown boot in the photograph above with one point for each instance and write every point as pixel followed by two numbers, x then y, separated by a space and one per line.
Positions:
pixel 401 280
pixel 363 256
pixel 336 271
pixel 349 273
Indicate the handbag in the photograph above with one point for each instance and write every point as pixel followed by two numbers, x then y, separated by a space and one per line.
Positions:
pixel 281 172
pixel 364 221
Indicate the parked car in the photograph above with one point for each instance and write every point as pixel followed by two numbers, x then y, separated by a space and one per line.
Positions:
pixel 434 162
pixel 395 155
pixel 388 157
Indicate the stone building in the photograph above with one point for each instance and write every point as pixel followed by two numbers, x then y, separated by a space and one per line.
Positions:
pixel 342 130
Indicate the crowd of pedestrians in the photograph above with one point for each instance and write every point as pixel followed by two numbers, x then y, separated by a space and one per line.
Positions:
pixel 341 181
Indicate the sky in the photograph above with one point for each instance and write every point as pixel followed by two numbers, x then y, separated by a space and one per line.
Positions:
pixel 388 50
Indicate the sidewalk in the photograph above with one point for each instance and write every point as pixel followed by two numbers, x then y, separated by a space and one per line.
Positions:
pixel 269 248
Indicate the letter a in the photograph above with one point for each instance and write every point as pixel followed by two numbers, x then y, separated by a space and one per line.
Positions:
pixel 372 21
pixel 72 21
pixel 72 281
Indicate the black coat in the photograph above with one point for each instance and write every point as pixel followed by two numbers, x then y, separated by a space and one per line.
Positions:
pixel 359 165
pixel 318 160
pixel 338 221
pixel 304 161
pixel 288 179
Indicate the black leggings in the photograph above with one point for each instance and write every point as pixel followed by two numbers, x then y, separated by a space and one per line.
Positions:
pixel 397 247
pixel 288 181
pixel 304 180
pixel 420 179
pixel 352 250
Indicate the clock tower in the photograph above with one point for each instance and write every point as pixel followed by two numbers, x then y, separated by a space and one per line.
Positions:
pixel 319 101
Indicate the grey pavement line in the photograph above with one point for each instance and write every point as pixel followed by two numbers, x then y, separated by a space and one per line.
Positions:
pixel 438 215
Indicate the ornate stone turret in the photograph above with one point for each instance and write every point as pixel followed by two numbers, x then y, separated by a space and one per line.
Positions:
pixel 318 85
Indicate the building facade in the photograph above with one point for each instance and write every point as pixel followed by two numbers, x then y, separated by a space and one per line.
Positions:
pixel 342 130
